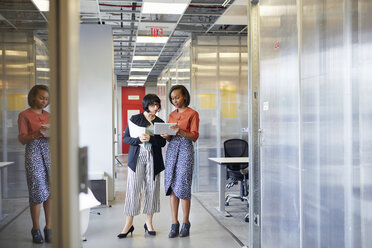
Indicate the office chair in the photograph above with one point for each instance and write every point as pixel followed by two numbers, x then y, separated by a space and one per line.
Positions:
pixel 237 172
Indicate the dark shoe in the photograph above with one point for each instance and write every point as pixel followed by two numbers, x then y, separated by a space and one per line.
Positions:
pixel 124 235
pixel 185 230
pixel 48 235
pixel 36 236
pixel 175 229
pixel 153 233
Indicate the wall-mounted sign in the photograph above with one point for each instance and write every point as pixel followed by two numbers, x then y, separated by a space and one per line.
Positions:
pixel 133 97
pixel 157 32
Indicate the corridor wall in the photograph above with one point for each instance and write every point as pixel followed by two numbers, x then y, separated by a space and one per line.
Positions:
pixel 315 116
pixel 96 90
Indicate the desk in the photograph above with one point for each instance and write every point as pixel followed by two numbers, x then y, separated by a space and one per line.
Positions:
pixel 222 178
pixel 5 181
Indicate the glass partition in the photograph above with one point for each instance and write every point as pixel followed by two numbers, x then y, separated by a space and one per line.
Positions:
pixel 24 62
pixel 214 69
pixel 220 87
pixel 315 107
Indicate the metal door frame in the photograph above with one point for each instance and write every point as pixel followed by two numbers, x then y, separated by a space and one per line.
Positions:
pixel 63 47
pixel 254 121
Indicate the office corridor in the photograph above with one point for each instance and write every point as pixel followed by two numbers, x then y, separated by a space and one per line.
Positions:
pixel 103 228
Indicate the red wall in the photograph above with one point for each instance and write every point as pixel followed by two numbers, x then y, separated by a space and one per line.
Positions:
pixel 131 100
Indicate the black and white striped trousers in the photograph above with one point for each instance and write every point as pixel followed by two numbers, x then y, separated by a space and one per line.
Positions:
pixel 143 177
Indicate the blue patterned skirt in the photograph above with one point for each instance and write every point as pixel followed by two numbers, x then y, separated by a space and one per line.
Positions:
pixel 37 163
pixel 179 165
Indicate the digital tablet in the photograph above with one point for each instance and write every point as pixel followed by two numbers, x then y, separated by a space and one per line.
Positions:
pixel 160 128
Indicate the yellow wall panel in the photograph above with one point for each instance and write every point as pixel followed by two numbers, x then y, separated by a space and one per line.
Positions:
pixel 228 110
pixel 17 101
pixel 207 101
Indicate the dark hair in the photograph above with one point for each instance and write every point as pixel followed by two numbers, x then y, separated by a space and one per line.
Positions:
pixel 33 93
pixel 184 92
pixel 148 100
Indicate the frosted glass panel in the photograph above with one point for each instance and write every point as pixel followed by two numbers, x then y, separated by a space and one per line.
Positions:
pixel 218 83
pixel 280 209
pixel 316 158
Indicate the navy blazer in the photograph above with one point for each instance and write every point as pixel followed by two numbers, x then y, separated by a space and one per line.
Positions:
pixel 157 143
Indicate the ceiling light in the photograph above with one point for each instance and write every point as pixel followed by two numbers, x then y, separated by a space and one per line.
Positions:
pixel 140 69
pixel 42 5
pixel 16 53
pixel 136 83
pixel 145 57
pixel 131 77
pixel 41 57
pixel 163 8
pixel 18 66
pixel 149 39
pixel 43 69
pixel 45 78
pixel 226 3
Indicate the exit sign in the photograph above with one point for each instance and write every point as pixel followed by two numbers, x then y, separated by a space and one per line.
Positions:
pixel 157 32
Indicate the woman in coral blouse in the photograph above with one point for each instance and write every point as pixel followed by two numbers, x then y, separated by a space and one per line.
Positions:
pixel 32 132
pixel 180 158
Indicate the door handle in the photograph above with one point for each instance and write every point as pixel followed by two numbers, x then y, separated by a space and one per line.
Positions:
pixel 83 169
pixel 260 137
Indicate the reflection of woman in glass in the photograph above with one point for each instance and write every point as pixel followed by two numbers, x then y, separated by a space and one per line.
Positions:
pixel 145 162
pixel 32 131
pixel 180 158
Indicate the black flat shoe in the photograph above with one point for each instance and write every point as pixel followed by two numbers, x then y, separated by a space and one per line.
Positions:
pixel 153 233
pixel 185 230
pixel 48 235
pixel 36 236
pixel 124 235
pixel 175 229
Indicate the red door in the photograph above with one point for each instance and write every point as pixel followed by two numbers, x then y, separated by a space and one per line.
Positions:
pixel 131 104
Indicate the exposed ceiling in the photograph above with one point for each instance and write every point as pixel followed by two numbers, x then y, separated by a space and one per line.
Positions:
pixel 136 61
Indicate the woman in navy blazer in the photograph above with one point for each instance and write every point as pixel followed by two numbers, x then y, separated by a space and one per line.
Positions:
pixel 145 161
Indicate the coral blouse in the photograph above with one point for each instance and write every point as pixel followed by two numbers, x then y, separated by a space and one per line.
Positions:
pixel 30 122
pixel 188 121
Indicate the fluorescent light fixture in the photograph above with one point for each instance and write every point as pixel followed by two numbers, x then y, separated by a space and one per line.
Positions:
pixel 226 3
pixel 136 83
pixel 1 52
pixel 18 66
pixel 16 53
pixel 42 57
pixel 140 69
pixel 42 5
pixel 207 55
pixel 163 8
pixel 43 69
pixel 229 55
pixel 149 39
pixel 131 77
pixel 45 78
pixel 145 57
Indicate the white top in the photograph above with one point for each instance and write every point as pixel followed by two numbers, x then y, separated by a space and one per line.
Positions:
pixel 3 164
pixel 224 160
